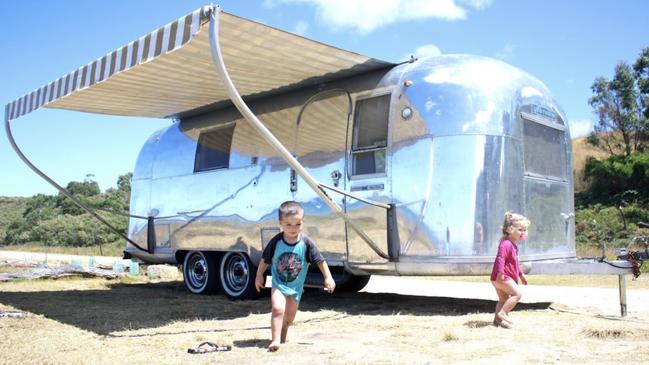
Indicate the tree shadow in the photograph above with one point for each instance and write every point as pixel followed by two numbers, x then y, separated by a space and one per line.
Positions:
pixel 143 306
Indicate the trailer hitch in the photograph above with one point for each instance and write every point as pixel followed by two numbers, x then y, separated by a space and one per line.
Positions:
pixel 636 257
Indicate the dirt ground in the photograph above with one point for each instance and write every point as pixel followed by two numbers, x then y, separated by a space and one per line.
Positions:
pixel 395 321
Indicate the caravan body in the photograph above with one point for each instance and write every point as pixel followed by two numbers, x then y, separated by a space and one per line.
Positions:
pixel 451 141
pixel 402 169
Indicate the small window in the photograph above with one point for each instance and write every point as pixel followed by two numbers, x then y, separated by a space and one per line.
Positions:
pixel 545 150
pixel 370 137
pixel 213 150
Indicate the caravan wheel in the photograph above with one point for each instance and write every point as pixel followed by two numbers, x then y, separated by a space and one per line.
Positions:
pixel 237 275
pixel 200 272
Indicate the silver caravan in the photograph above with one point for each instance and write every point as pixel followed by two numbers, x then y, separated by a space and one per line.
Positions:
pixel 403 169
pixel 424 158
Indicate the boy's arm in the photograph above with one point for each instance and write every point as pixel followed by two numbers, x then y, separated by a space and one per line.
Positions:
pixel 329 282
pixel 266 257
pixel 259 279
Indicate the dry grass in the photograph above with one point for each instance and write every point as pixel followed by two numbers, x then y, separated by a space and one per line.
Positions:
pixel 581 151
pixel 95 321
pixel 109 249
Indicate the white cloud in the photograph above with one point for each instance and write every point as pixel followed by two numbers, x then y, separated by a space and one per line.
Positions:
pixel 580 128
pixel 367 15
pixel 427 50
pixel 268 4
pixel 477 4
pixel 301 27
pixel 506 52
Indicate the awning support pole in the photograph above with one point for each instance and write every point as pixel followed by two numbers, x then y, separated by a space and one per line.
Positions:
pixel 269 137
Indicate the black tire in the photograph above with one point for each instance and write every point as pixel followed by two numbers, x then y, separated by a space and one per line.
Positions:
pixel 354 283
pixel 200 272
pixel 237 276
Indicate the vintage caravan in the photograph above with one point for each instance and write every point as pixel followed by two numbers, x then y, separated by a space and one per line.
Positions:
pixel 403 169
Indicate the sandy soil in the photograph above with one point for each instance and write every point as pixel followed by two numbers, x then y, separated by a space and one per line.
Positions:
pixel 597 301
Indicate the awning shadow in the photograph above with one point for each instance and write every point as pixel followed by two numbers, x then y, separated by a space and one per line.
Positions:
pixel 144 306
pixel 389 303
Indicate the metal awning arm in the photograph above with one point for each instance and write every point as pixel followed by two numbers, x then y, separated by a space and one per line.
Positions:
pixel 268 136
pixel 58 187
pixel 359 198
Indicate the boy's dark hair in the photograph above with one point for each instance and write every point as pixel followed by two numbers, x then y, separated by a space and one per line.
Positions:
pixel 289 208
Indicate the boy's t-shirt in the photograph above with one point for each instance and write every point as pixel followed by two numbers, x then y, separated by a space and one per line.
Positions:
pixel 290 263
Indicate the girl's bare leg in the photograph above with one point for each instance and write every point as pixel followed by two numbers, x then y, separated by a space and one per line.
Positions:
pixel 502 298
pixel 290 310
pixel 514 296
pixel 278 302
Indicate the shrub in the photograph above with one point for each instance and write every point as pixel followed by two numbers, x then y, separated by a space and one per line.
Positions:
pixel 616 179
pixel 599 225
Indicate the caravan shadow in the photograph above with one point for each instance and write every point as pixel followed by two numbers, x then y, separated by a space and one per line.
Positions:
pixel 152 305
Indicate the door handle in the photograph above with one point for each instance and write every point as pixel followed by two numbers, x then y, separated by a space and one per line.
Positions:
pixel 335 176
pixel 293 181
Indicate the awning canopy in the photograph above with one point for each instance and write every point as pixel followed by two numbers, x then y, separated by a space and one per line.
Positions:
pixel 170 71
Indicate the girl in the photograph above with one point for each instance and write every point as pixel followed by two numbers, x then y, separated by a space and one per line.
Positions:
pixel 506 269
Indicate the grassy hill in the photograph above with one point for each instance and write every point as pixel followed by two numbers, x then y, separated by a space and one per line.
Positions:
pixel 581 151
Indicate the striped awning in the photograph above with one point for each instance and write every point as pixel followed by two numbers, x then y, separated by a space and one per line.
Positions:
pixel 170 71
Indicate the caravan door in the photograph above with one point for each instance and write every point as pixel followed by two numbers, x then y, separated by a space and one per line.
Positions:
pixel 368 173
pixel 320 146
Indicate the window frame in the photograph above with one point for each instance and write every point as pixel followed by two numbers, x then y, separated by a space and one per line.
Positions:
pixel 354 137
pixel 201 148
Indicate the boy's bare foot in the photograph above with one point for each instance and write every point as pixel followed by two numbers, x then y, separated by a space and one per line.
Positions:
pixel 274 346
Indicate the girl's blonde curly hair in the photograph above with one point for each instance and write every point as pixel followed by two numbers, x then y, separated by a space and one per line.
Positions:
pixel 513 219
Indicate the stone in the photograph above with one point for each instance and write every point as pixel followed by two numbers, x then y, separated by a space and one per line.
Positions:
pixel 162 272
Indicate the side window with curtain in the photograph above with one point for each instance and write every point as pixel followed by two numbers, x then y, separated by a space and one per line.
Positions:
pixel 370 135
pixel 213 150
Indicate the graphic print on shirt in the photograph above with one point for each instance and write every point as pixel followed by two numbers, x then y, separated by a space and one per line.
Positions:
pixel 289 266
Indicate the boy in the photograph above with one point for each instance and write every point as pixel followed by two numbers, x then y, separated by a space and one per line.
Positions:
pixel 289 254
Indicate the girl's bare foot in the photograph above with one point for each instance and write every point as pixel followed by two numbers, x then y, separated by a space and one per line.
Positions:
pixel 502 317
pixel 274 346
pixel 503 324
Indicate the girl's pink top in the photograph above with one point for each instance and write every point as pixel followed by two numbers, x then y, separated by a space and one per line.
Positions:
pixel 506 261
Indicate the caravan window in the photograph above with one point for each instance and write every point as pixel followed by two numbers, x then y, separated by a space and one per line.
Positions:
pixel 370 136
pixel 545 150
pixel 213 150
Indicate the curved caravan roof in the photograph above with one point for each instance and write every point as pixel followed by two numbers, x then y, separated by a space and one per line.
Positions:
pixel 170 71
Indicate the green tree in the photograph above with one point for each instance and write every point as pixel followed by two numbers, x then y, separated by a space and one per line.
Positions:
pixel 124 182
pixel 56 220
pixel 86 191
pixel 618 179
pixel 11 214
pixel 622 107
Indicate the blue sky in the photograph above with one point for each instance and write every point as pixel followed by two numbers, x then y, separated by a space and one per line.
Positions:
pixel 565 43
